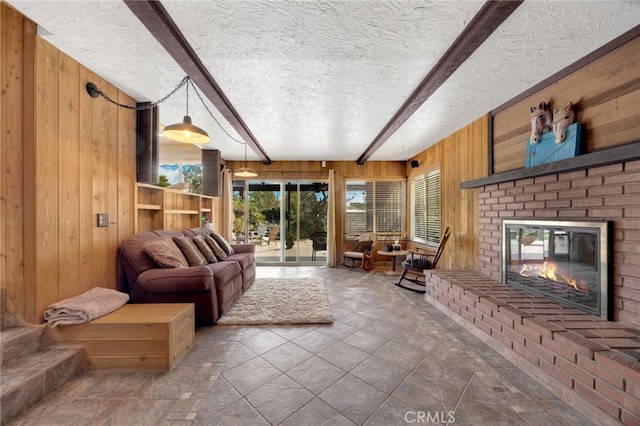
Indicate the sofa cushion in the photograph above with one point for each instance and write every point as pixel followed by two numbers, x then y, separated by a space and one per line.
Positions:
pixel 166 253
pixel 223 243
pixel 224 273
pixel 244 259
pixel 217 250
pixel 190 251
pixel 205 249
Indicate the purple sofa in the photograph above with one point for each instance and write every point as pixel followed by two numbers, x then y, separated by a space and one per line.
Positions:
pixel 212 288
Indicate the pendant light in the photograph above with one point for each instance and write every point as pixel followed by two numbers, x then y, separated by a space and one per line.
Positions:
pixel 185 131
pixel 245 171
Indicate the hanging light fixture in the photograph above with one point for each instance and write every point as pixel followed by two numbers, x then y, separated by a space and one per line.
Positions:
pixel 245 171
pixel 185 131
pixel 180 132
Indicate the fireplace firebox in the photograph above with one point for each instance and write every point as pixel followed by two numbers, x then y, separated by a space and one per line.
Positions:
pixel 567 261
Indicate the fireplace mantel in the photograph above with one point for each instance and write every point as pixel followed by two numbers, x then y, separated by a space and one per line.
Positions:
pixel 613 155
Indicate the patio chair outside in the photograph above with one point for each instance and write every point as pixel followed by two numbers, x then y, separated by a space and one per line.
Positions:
pixel 273 235
pixel 319 243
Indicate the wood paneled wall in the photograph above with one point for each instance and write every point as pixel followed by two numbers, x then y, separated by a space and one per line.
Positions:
pixel 68 157
pixel 462 156
pixel 606 95
pixel 314 169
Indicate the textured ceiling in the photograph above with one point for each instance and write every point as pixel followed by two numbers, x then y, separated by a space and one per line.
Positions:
pixel 318 80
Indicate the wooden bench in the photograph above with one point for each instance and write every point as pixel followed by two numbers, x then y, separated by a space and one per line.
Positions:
pixel 136 337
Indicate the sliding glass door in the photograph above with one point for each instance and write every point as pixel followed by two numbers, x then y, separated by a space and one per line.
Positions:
pixel 286 220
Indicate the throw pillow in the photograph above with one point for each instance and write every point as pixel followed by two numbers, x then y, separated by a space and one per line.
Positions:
pixel 217 250
pixel 166 253
pixel 190 251
pixel 223 243
pixel 205 249
pixel 364 246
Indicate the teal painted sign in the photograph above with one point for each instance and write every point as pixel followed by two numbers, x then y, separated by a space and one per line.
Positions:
pixel 548 151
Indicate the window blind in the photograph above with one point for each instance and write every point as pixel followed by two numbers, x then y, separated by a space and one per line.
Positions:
pixel 426 208
pixel 375 207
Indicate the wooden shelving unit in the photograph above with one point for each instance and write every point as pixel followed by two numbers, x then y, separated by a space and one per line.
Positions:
pixel 163 208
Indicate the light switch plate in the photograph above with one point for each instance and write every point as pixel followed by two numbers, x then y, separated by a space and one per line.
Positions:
pixel 103 220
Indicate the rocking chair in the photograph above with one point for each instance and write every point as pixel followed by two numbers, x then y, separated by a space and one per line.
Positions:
pixel 417 262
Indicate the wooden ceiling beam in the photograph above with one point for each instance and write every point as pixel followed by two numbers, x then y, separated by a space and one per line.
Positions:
pixel 484 23
pixel 157 20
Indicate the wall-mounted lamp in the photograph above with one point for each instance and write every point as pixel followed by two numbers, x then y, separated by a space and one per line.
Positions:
pixel 324 163
pixel 245 171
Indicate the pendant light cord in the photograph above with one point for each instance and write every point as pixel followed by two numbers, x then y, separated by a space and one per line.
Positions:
pixel 94 92
pixel 188 97
pixel 212 116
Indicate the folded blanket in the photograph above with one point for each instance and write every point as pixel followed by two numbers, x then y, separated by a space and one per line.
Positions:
pixel 83 308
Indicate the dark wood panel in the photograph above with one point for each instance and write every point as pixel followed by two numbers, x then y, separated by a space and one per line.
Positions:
pixel 146 126
pixel 211 176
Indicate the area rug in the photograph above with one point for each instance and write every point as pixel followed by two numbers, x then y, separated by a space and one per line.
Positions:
pixel 281 301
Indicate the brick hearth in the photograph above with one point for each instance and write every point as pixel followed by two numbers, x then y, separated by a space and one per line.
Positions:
pixel 583 359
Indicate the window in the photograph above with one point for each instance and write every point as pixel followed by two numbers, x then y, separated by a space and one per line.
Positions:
pixel 425 209
pixel 375 207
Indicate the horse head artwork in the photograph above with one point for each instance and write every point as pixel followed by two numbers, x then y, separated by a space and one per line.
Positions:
pixel 562 118
pixel 541 122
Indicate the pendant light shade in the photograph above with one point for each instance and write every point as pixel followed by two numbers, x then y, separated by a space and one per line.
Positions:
pixel 245 171
pixel 185 132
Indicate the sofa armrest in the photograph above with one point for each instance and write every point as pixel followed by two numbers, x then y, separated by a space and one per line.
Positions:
pixel 244 248
pixel 195 278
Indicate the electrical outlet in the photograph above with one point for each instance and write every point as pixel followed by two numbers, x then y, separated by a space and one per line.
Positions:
pixel 103 220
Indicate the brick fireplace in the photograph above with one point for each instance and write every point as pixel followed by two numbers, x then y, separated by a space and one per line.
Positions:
pixel 610 192
pixel 592 363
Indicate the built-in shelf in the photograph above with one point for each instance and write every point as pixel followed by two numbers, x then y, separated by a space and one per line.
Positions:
pixel 181 211
pixel 165 208
pixel 149 207
pixel 613 155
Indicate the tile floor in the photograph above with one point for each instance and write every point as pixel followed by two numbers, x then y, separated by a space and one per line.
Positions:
pixel 389 358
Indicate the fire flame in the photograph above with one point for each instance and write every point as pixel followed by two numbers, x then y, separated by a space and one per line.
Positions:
pixel 548 270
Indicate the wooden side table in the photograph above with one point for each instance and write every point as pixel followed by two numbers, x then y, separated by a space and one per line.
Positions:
pixel 394 255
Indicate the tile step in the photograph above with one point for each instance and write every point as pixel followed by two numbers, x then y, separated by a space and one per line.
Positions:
pixel 18 342
pixel 27 380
